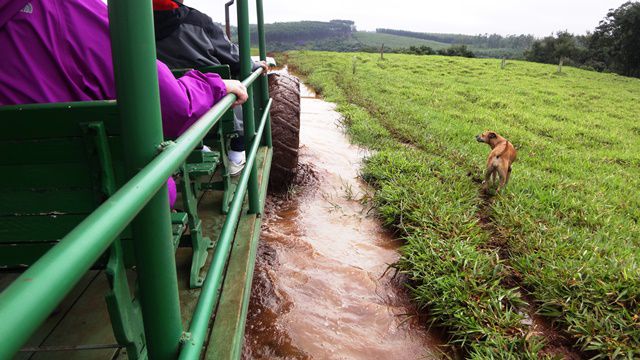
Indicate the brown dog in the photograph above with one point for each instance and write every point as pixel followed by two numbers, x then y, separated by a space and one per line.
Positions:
pixel 502 155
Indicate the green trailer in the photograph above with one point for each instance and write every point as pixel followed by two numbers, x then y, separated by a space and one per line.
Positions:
pixel 93 263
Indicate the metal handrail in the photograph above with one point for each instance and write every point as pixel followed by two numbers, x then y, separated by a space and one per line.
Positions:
pixel 29 300
pixel 210 294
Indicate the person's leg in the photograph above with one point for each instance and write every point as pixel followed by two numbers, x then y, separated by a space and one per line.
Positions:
pixel 236 153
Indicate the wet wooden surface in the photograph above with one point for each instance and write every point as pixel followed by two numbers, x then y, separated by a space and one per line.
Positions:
pixel 82 317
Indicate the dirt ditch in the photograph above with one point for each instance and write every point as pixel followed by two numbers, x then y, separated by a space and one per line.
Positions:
pixel 321 287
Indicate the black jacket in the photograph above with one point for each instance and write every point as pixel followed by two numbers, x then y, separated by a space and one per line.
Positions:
pixel 187 38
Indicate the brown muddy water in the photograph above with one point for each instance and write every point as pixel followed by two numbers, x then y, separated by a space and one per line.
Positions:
pixel 323 288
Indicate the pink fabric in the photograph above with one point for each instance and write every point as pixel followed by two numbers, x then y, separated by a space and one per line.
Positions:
pixel 58 51
pixel 173 192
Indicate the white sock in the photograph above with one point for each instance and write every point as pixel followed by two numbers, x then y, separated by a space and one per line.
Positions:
pixel 236 157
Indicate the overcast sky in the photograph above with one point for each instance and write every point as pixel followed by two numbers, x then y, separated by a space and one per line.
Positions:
pixel 538 17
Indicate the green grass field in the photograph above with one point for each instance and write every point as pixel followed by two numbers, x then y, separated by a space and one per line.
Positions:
pixel 561 243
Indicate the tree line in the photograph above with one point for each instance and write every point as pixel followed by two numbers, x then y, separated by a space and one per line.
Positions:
pixel 300 31
pixel 453 50
pixel 613 46
pixel 481 40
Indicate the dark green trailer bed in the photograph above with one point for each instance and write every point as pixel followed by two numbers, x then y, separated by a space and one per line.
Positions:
pixel 90 259
pixel 80 328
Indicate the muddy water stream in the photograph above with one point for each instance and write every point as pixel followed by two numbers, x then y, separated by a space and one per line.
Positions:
pixel 322 287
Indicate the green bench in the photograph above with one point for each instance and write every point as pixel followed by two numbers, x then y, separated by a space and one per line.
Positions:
pixel 218 139
pixel 61 161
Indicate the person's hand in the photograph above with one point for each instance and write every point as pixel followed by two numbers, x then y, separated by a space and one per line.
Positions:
pixel 264 66
pixel 236 87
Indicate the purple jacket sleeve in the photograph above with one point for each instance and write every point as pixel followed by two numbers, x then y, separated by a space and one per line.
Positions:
pixel 185 99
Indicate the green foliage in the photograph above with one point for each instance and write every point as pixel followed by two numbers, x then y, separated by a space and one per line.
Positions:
pixel 613 46
pixel 341 36
pixel 565 231
pixel 457 50
pixel 485 41
pixel 552 49
pixel 375 39
pixel 301 31
pixel 422 50
pixel 616 40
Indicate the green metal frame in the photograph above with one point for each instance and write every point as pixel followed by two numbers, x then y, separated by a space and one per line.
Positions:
pixel 199 243
pixel 142 202
pixel 211 286
pixel 124 311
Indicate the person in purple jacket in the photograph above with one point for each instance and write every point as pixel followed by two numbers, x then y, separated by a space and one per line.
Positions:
pixel 59 51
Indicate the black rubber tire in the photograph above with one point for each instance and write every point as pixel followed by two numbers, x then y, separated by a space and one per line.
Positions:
pixel 284 89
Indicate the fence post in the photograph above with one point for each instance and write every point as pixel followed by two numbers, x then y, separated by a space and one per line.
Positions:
pixel 136 75
pixel 560 65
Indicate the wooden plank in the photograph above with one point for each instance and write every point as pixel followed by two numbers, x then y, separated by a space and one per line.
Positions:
pixel 57 315
pixel 37 228
pixel 14 256
pixel 62 201
pixel 228 328
pixel 65 176
pixel 87 323
pixel 227 335
pixel 6 279
pixel 19 256
pixel 45 121
pixel 48 176
pixel 52 151
pixel 212 220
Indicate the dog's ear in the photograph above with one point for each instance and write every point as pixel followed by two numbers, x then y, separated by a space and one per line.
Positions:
pixel 492 135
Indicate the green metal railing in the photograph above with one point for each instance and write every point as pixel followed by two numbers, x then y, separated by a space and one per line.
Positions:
pixel 209 295
pixel 247 107
pixel 143 201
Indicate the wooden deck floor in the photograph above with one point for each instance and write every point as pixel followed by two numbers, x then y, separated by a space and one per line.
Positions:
pixel 80 328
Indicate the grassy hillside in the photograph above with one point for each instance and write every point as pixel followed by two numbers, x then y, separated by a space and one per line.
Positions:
pixel 559 246
pixel 394 41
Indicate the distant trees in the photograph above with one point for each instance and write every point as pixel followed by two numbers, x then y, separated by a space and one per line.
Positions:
pixel 616 41
pixel 562 46
pixel 494 41
pixel 456 50
pixel 305 30
pixel 420 50
pixel 613 46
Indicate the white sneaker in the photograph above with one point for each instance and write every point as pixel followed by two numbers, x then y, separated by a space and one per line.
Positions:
pixel 237 157
pixel 235 169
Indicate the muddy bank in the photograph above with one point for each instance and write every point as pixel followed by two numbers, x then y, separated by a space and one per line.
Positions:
pixel 323 288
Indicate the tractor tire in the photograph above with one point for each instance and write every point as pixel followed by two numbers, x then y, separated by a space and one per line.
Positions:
pixel 284 89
